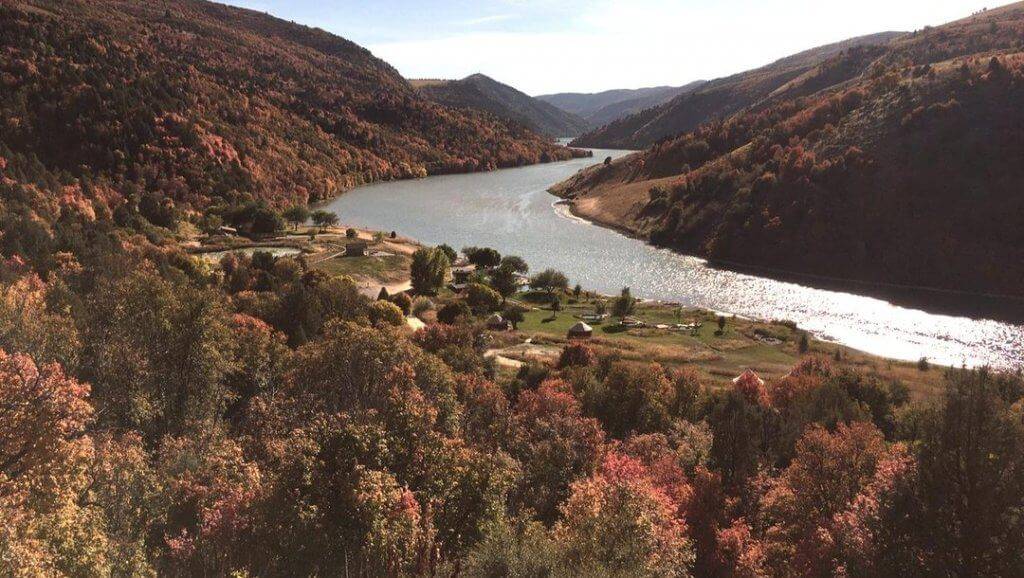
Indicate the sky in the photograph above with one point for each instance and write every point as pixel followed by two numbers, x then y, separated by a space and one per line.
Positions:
pixel 546 46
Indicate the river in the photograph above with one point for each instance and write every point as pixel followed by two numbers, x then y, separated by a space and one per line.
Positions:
pixel 511 211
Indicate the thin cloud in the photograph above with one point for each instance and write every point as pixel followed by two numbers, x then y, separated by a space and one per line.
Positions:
pixel 485 20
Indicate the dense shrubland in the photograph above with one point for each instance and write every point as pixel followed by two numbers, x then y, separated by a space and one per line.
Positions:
pixel 162 416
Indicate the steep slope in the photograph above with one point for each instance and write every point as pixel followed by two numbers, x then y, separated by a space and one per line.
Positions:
pixel 195 101
pixel 722 97
pixel 625 108
pixel 601 108
pixel 908 173
pixel 482 93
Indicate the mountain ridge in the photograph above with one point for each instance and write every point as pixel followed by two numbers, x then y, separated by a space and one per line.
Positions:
pixel 719 98
pixel 904 159
pixel 483 93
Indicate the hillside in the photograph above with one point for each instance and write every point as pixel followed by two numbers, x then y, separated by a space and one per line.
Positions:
pixel 193 101
pixel 720 98
pixel 902 169
pixel 601 108
pixel 482 93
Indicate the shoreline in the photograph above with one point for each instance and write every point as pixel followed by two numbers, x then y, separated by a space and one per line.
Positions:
pixel 880 290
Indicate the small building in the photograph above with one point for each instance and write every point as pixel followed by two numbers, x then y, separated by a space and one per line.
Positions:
pixel 498 323
pixel 581 331
pixel 356 249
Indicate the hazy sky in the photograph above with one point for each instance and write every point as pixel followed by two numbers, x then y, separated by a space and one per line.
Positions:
pixel 542 46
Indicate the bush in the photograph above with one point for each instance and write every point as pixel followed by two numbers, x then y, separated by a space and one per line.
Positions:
pixel 421 305
pixel 403 302
pixel 385 313
pixel 454 312
pixel 482 298
pixel 351 233
pixel 577 355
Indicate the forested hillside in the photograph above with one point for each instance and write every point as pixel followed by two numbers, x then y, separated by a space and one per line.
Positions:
pixel 798 75
pixel 482 93
pixel 195 101
pixel 259 416
pixel 906 163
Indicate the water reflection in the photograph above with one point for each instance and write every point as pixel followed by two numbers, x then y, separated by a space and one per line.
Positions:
pixel 511 211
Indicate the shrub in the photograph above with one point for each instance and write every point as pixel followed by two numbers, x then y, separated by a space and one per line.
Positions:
pixel 404 302
pixel 454 312
pixel 577 355
pixel 482 298
pixel 385 313
pixel 421 305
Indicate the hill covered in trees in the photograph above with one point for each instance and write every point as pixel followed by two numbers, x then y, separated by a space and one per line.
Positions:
pixel 601 108
pixel 482 93
pixel 897 164
pixel 195 101
pixel 798 75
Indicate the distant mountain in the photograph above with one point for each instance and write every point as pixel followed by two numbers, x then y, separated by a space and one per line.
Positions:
pixel 896 163
pixel 601 108
pixel 197 102
pixel 725 96
pixel 482 93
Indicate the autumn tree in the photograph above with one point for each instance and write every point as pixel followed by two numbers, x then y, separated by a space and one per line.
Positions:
pixel 556 444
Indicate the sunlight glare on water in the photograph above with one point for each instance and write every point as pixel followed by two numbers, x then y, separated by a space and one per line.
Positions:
pixel 511 211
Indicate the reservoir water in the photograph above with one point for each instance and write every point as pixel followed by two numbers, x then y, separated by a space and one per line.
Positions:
pixel 511 211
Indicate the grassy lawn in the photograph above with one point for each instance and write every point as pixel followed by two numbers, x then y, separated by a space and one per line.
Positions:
pixel 389 269
pixel 771 349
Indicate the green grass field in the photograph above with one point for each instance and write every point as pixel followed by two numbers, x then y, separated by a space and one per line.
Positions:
pixel 383 269
pixel 721 355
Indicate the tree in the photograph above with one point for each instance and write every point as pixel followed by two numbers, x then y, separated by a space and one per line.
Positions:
pixel 721 324
pixel 972 475
pixel 577 291
pixel 550 280
pixel 556 443
pixel 297 215
pixel 805 344
pixel 351 233
pixel 429 270
pixel 505 278
pixel 624 304
pixel 324 219
pixel 266 221
pixel 482 257
pixel 621 522
pixel 449 252
pixel 482 298
pixel 514 315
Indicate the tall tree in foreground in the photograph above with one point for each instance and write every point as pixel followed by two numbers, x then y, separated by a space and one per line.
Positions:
pixel 972 476
pixel 429 270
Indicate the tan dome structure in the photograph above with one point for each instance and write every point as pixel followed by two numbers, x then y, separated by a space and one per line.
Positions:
pixel 581 331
